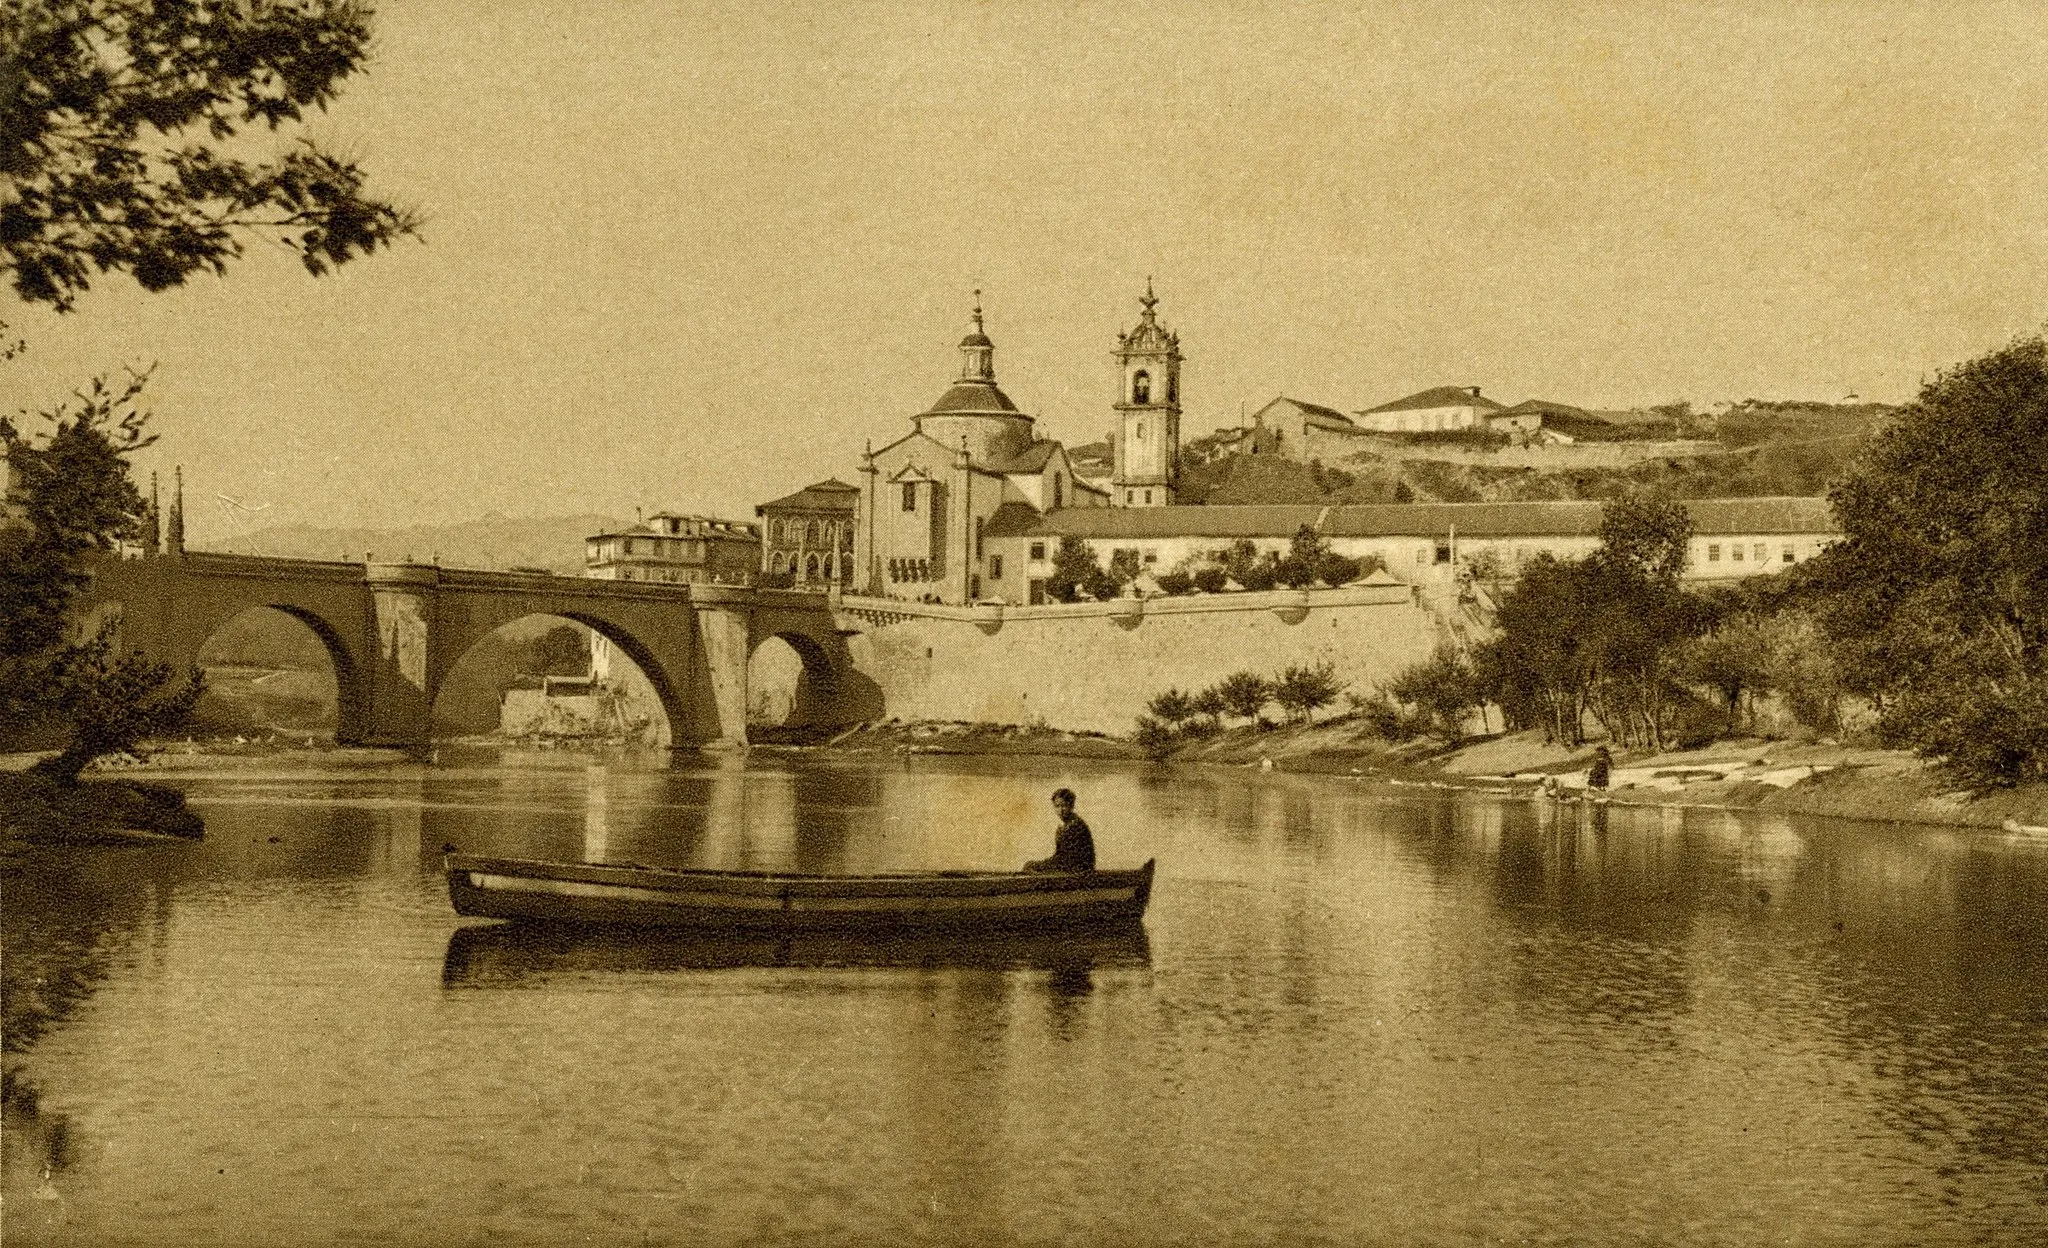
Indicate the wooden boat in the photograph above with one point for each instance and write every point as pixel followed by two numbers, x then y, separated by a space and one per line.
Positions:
pixel 518 888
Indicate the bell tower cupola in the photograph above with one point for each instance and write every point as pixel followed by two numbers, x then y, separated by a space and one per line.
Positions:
pixel 1147 451
pixel 977 353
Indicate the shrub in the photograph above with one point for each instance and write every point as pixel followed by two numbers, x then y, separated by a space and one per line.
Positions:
pixel 1333 569
pixel 1153 737
pixel 1211 580
pixel 1176 583
pixel 1258 575
pixel 1295 572
pixel 1387 719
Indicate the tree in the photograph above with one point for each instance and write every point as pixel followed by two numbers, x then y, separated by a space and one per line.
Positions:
pixel 561 651
pixel 1305 551
pixel 1244 694
pixel 1444 688
pixel 125 138
pixel 1074 568
pixel 75 498
pixel 1648 536
pixel 1302 691
pixel 1124 566
pixel 1172 708
pixel 1936 600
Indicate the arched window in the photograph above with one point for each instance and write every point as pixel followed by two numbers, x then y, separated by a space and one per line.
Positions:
pixel 811 533
pixel 781 563
pixel 810 567
pixel 1173 387
pixel 1141 387
pixel 1057 501
pixel 829 566
pixel 832 533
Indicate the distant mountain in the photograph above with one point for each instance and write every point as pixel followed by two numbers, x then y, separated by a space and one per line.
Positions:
pixel 551 542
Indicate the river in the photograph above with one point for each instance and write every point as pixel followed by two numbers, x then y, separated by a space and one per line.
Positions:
pixel 1360 1014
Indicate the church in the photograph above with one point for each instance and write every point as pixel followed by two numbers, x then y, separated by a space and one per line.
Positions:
pixel 927 499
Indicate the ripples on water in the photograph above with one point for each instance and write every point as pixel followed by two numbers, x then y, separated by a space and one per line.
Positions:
pixel 1356 1014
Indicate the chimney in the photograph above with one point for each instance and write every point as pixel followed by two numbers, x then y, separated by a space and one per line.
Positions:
pixel 1474 390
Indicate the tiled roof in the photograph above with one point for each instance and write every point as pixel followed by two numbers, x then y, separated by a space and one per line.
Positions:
pixel 1012 520
pixel 1437 396
pixel 971 396
pixel 1032 458
pixel 831 494
pixel 1318 415
pixel 1521 519
pixel 1544 407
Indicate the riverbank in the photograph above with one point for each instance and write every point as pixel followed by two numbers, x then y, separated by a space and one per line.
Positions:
pixel 37 811
pixel 1826 778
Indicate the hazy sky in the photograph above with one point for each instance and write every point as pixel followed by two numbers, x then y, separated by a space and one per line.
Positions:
pixel 693 255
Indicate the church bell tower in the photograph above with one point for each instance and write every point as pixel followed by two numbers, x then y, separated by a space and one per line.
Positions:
pixel 1147 451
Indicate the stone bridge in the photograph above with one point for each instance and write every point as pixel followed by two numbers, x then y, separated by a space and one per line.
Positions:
pixel 394 630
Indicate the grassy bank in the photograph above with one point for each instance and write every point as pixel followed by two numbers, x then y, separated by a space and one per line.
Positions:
pixel 35 810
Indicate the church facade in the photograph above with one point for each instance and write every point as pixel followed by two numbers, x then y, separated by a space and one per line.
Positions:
pixel 928 498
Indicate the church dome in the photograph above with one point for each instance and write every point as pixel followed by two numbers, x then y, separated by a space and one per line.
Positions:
pixel 967 397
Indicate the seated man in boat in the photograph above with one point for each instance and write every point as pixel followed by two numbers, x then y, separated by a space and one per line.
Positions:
pixel 1073 846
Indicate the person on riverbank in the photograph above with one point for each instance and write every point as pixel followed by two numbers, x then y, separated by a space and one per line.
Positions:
pixel 1073 846
pixel 1601 771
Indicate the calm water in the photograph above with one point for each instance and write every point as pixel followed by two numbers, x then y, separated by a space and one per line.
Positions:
pixel 1361 1014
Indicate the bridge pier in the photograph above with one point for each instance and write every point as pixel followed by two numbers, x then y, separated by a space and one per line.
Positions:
pixel 400 682
pixel 725 629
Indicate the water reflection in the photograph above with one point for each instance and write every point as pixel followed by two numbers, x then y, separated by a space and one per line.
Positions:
pixel 1519 1019
pixel 525 954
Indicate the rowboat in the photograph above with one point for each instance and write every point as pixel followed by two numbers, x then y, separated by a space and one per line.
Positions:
pixel 634 895
pixel 504 955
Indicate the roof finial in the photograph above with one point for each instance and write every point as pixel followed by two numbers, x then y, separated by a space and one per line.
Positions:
pixel 1148 299
pixel 977 307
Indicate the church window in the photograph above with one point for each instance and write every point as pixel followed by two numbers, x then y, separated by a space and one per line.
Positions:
pixel 1173 388
pixel 828 567
pixel 1141 388
pixel 811 568
pixel 811 533
pixel 910 496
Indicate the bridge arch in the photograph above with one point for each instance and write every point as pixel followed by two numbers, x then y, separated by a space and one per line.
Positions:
pixel 792 685
pixel 451 677
pixel 351 685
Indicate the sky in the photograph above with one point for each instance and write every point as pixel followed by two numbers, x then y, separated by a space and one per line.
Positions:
pixel 693 256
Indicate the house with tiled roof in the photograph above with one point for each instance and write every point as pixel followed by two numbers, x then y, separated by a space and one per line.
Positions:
pixel 807 537
pixel 1418 543
pixel 1299 430
pixel 676 549
pixel 1436 410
